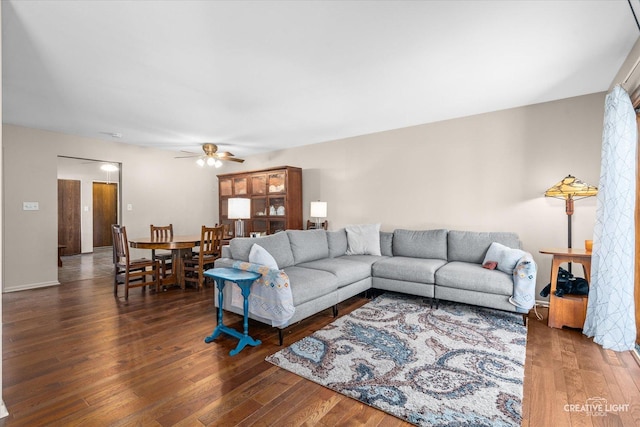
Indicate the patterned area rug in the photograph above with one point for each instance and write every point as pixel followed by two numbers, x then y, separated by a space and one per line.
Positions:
pixel 456 365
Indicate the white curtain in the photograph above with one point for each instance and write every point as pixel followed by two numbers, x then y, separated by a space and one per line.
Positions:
pixel 610 312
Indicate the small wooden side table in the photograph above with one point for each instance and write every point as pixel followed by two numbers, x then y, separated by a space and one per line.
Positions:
pixel 243 279
pixel 568 310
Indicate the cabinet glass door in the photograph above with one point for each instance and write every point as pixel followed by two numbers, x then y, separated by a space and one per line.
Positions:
pixel 259 184
pixel 224 208
pixel 239 186
pixel 276 226
pixel 276 182
pixel 259 226
pixel 276 206
pixel 226 187
pixel 259 207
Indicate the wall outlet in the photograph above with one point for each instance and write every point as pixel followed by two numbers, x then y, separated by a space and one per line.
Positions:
pixel 30 206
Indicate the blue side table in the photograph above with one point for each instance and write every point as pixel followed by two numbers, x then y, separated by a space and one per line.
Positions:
pixel 243 279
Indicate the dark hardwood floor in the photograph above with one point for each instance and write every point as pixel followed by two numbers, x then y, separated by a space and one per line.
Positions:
pixel 75 355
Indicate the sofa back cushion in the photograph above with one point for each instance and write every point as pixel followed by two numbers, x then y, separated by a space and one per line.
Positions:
pixel 337 242
pixel 276 244
pixel 428 244
pixel 386 243
pixel 308 245
pixel 472 246
pixel 363 239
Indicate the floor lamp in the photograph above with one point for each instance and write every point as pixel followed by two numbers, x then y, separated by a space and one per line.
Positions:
pixel 239 209
pixel 570 189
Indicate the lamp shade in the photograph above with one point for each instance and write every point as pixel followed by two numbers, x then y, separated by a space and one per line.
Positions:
pixel 239 208
pixel 318 210
pixel 571 188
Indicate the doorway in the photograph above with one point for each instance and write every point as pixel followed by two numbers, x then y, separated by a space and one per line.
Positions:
pixel 105 176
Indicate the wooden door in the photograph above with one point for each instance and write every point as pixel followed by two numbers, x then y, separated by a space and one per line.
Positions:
pixel 69 213
pixel 105 212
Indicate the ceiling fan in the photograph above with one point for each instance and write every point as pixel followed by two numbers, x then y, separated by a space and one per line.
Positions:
pixel 211 156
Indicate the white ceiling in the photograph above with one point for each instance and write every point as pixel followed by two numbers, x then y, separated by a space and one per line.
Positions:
pixel 255 76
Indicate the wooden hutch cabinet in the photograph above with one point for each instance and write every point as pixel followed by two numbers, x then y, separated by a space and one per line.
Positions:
pixel 276 199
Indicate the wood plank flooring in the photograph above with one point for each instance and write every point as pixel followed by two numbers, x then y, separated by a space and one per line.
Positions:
pixel 75 355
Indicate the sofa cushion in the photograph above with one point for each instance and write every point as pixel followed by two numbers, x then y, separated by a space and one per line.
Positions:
pixel 363 239
pixel 386 243
pixel 408 269
pixel 506 258
pixel 346 271
pixel 308 245
pixel 472 246
pixel 472 277
pixel 420 244
pixel 259 255
pixel 308 284
pixel 276 244
pixel 337 242
pixel 367 259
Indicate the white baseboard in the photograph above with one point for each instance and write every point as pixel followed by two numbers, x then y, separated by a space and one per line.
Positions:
pixel 30 286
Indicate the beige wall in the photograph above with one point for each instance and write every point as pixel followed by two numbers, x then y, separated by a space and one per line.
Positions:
pixel 161 189
pixel 486 173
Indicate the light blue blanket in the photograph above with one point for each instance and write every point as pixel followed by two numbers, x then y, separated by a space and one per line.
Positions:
pixel 270 296
pixel 524 284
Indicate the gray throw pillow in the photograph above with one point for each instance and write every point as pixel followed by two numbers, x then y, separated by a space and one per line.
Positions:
pixel 363 239
pixel 506 257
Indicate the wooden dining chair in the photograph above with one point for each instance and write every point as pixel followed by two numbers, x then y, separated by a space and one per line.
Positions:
pixel 210 250
pixel 164 258
pixel 131 273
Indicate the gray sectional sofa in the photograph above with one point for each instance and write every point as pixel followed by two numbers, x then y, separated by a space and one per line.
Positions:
pixel 437 264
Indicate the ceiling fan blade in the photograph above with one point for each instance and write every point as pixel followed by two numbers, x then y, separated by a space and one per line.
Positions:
pixel 224 154
pixel 187 157
pixel 233 159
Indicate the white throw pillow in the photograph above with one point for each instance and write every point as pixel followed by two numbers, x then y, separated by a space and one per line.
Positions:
pixel 506 257
pixel 259 255
pixel 363 239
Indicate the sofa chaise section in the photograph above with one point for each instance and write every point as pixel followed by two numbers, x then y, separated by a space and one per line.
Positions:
pixel 464 279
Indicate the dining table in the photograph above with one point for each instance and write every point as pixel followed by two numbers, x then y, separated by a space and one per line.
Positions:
pixel 180 247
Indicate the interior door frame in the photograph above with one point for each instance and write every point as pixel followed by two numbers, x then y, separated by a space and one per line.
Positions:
pixel 111 177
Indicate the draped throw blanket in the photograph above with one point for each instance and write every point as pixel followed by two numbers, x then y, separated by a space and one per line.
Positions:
pixel 270 296
pixel 610 311
pixel 524 284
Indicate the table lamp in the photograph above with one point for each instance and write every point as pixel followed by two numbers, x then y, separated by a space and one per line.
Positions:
pixel 239 209
pixel 318 211
pixel 570 189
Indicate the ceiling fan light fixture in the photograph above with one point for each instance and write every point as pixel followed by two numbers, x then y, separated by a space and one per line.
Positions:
pixel 218 163
pixel 211 161
pixel 200 162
